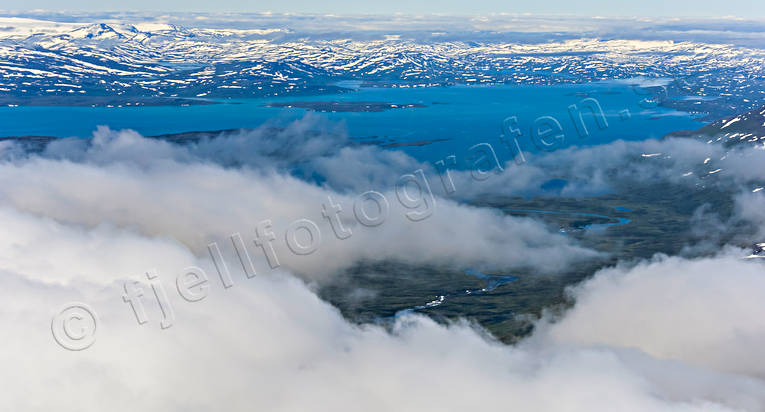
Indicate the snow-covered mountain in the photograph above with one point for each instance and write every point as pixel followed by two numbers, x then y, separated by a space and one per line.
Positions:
pixel 746 128
pixel 159 60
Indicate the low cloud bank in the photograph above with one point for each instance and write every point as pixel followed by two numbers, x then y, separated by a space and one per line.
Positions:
pixel 706 312
pixel 670 334
pixel 124 224
pixel 318 151
pixel 159 189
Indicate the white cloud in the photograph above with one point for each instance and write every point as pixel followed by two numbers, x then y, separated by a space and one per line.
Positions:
pixel 707 312
pixel 666 335
pixel 160 190
pixel 270 343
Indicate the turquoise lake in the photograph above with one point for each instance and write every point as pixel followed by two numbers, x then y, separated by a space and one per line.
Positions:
pixel 463 115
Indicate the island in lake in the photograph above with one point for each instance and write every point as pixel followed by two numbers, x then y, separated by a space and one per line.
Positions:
pixel 335 106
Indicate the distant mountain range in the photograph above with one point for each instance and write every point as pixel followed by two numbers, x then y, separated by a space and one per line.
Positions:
pixel 45 62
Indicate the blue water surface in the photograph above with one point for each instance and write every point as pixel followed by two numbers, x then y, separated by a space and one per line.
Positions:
pixel 463 115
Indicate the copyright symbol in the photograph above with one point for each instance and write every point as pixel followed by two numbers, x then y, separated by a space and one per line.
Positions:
pixel 74 326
